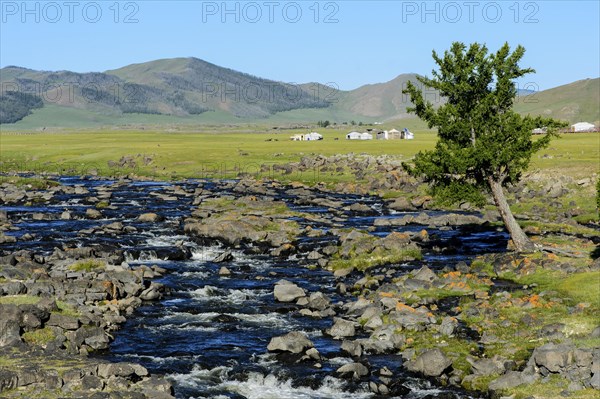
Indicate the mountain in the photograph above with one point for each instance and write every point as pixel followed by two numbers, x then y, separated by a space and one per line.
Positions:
pixel 175 87
pixel 575 102
pixel 190 90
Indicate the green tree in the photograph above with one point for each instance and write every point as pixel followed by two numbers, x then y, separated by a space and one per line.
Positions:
pixel 483 144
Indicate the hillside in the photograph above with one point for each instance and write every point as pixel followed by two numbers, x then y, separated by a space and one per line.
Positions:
pixel 573 102
pixel 193 91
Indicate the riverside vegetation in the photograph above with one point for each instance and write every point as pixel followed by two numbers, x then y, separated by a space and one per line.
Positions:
pixel 514 325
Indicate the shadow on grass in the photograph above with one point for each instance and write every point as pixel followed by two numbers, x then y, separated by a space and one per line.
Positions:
pixel 596 252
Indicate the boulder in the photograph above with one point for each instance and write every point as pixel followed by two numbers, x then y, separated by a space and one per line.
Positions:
pixel 286 291
pixel 62 321
pixel 92 213
pixel 318 301
pixel 8 380
pixel 106 370
pixel 554 357
pixel 293 342
pixel 13 288
pixel 356 370
pixel 401 204
pixel 449 325
pixel 341 328
pixel 149 218
pixel 509 380
pixel 425 274
pixel 353 348
pixel 156 388
pixel 485 367
pixel 9 331
pixel 226 256
pixel 432 363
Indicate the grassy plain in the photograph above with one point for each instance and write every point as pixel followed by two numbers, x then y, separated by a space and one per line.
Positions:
pixel 204 152
pixel 225 151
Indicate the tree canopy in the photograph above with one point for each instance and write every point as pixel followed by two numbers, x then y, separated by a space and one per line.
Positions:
pixel 483 144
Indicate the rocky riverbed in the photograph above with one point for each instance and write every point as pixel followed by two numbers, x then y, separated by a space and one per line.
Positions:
pixel 246 289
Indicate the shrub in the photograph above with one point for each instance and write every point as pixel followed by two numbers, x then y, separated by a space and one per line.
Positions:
pixel 87 265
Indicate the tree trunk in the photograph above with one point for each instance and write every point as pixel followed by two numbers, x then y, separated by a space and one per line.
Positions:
pixel 520 240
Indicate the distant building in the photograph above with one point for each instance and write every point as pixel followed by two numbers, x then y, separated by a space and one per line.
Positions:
pixel 583 127
pixel 312 136
pixel 407 134
pixel 394 134
pixel 366 136
pixel 359 136
pixel 539 130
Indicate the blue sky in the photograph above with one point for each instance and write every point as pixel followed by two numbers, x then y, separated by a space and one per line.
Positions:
pixel 348 43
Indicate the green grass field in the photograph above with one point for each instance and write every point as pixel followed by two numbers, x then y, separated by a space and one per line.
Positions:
pixel 227 150
pixel 224 151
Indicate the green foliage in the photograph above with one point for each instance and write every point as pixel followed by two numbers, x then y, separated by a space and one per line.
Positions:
pixel 102 205
pixel 15 106
pixel 376 258
pixel 87 265
pixel 67 309
pixel 480 136
pixel 29 183
pixel 39 337
pixel 19 300
pixel 456 191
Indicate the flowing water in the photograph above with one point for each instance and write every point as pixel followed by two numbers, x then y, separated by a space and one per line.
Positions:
pixel 209 334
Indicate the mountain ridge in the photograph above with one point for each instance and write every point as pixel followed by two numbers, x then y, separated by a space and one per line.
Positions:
pixel 189 87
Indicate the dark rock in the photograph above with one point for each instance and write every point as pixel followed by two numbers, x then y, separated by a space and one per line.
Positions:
pixel 85 333
pixel 8 379
pixel 226 256
pixel 9 326
pixel 30 322
pixel 284 250
pixel 432 363
pixel 62 321
pixel 553 357
pixel 92 383
pixel 509 380
pixel 425 274
pixel 106 370
pixel 487 367
pixel 13 288
pixel 156 388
